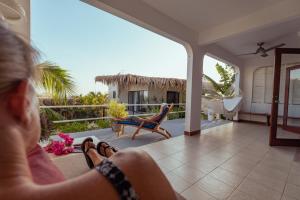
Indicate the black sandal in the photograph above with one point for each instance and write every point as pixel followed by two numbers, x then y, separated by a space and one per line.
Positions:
pixel 88 159
pixel 100 144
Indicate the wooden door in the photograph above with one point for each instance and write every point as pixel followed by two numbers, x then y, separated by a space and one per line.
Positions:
pixel 275 139
pixel 291 113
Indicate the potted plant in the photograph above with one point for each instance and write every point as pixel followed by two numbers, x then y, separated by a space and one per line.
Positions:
pixel 116 111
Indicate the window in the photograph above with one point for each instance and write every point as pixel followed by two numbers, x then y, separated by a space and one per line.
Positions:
pixel 172 97
pixel 137 97
pixel 144 96
pixel 114 94
pixel 263 85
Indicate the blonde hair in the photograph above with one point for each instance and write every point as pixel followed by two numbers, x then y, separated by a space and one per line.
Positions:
pixel 17 60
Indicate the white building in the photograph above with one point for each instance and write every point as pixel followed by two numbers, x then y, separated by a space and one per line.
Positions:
pixel 135 89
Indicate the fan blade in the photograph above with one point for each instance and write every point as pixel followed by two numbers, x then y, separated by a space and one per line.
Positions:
pixel 246 54
pixel 260 44
pixel 274 47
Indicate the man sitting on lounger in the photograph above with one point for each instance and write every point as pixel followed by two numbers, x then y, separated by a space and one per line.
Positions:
pixel 151 123
pixel 155 118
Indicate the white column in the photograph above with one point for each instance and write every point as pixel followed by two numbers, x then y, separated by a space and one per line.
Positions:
pixel 193 90
pixel 237 89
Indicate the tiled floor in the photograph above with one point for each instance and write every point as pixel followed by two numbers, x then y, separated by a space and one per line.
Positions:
pixel 232 161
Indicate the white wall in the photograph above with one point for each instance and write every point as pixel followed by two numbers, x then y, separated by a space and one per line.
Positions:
pixel 113 88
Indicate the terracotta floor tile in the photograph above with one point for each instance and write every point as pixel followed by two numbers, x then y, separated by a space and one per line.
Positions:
pixel 271 172
pixel 215 187
pixel 292 191
pixel 189 174
pixel 258 191
pixel 178 183
pixel 268 181
pixel 195 193
pixel 294 179
pixel 169 163
pixel 237 195
pixel 287 198
pixel 227 177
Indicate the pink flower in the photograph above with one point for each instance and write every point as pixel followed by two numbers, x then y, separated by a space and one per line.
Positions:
pixel 63 136
pixel 48 148
pixel 67 139
pixel 59 147
pixel 68 150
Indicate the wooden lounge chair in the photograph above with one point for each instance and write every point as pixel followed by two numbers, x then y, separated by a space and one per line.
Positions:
pixel 151 124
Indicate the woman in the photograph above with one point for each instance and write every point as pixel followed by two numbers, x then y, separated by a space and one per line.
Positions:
pixel 20 132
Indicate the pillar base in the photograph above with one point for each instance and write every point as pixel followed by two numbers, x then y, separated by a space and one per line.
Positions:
pixel 191 133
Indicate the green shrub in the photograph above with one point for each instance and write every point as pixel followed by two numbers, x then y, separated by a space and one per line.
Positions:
pixel 204 116
pixel 91 98
pixel 154 109
pixel 179 113
pixel 104 123
pixel 117 110
pixel 172 116
pixel 71 127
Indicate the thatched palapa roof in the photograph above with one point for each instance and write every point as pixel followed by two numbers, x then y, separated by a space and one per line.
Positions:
pixel 125 80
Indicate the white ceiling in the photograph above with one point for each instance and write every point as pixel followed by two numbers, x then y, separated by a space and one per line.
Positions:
pixel 234 25
pixel 207 16
pixel 199 15
pixel 286 32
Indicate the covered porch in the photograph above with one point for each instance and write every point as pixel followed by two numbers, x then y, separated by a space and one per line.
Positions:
pixel 240 33
pixel 235 160
pixel 225 31
pixel 231 161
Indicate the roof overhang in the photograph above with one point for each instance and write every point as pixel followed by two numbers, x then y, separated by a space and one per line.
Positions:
pixel 213 23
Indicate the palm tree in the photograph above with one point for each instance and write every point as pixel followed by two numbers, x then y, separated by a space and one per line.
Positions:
pixel 224 88
pixel 55 81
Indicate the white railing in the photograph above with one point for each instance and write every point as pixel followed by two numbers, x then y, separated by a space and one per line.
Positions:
pixel 102 118
pixel 105 106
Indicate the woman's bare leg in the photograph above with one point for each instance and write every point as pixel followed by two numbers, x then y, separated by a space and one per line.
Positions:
pixel 137 169
pixel 136 164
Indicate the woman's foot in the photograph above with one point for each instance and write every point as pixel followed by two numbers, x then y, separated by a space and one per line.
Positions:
pixel 90 153
pixel 104 149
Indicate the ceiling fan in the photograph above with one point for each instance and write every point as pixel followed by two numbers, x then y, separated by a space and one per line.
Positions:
pixel 261 50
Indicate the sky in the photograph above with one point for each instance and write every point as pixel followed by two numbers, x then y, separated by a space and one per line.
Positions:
pixel 89 42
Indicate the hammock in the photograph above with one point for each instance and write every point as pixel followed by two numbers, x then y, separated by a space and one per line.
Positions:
pixel 226 106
